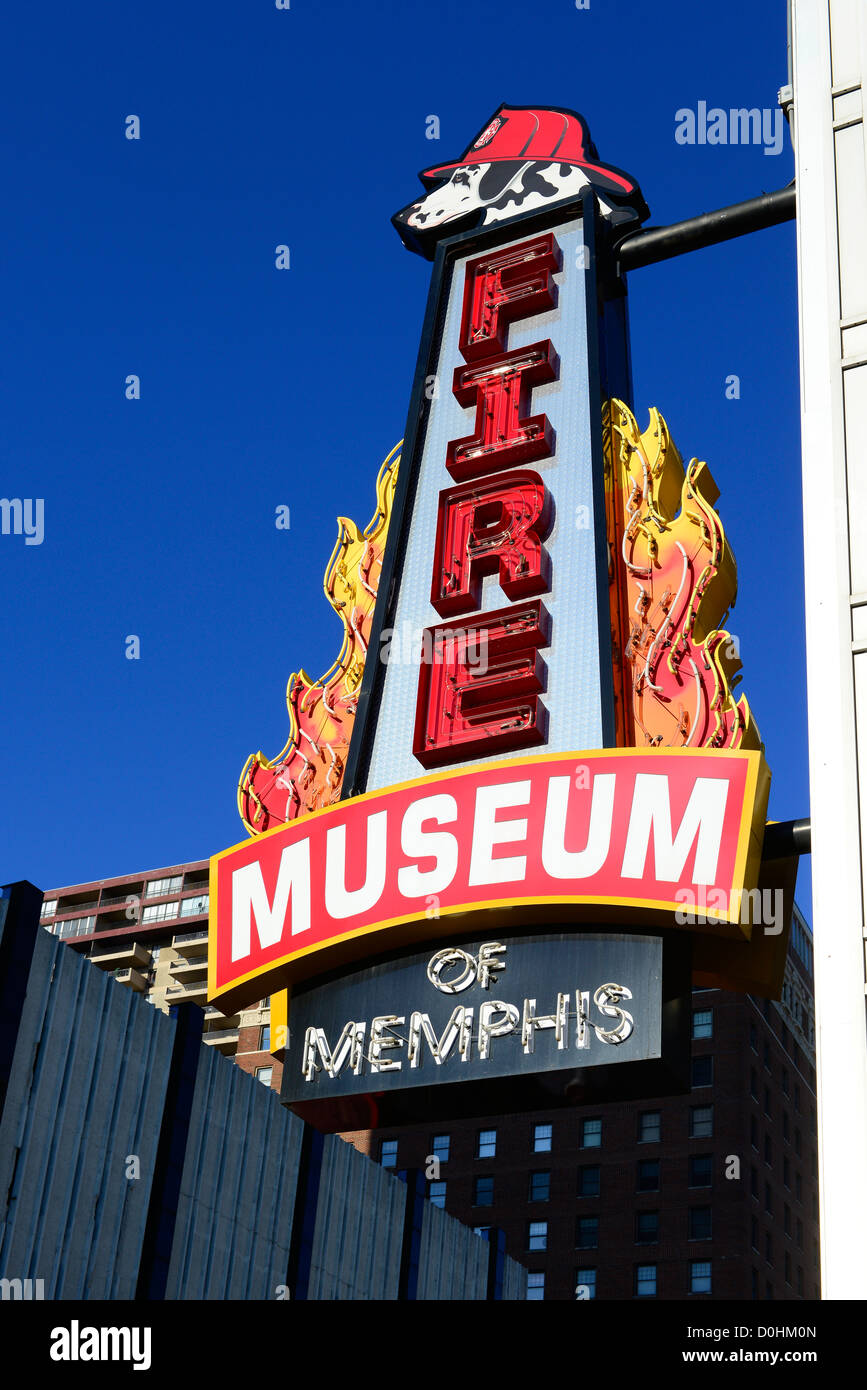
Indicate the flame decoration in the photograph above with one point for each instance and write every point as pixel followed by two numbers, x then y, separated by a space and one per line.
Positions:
pixel 673 580
pixel 308 773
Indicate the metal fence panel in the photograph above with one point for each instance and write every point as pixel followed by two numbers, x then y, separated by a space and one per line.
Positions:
pixel 234 1220
pixel 453 1260
pixel 514 1280
pixel 359 1227
pixel 85 1097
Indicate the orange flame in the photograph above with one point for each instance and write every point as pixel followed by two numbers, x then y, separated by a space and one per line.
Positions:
pixel 308 773
pixel 673 579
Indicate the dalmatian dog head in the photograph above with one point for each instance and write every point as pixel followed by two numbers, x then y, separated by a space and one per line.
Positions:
pixel 497 178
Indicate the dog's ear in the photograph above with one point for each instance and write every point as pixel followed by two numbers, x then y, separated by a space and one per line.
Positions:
pixel 497 177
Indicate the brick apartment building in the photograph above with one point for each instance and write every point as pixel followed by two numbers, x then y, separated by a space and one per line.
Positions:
pixel 712 1194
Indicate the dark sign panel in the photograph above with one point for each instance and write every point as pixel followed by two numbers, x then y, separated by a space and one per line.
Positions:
pixel 432 1032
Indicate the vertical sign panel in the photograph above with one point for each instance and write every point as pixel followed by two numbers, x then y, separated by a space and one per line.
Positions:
pixel 557 414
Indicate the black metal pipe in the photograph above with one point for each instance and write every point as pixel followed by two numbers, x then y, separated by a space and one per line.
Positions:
pixel 660 243
pixel 786 838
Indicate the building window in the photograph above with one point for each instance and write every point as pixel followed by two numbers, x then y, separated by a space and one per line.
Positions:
pixel 49 907
pixel 798 1186
pixel 588 1180
pixel 754 1273
pixel 75 926
pixel 767 1103
pixel 483 1191
pixel 265 1040
pixel 645 1281
pixel 649 1124
pixel 787 1266
pixel 699 1276
pixel 754 1084
pixel 754 1184
pixel 799 1235
pixel 700 1170
pixel 436 1194
pixel 768 1150
pixel 798 1142
pixel 754 1042
pixel 160 912
pixel 535 1287
pixel 440 1147
pixel 158 887
pixel 586 1279
pixel 542 1135
pixel 648 1175
pixel 587 1232
pixel 701 1122
pixel 769 1248
pixel 766 1055
pixel 700 1223
pixel 388 1153
pixel 591 1134
pixel 540 1187
pixel 800 1282
pixel 784 1081
pixel 754 1133
pixel 264 1075
pixel 769 1203
pixel 786 1173
pixel 646 1227
pixel 702 1023
pixel 702 1071
pixel 193 907
pixel 787 1219
pixel 537 1238
pixel 487 1145
pixel 754 1233
pixel 797 1099
pixel 786 1125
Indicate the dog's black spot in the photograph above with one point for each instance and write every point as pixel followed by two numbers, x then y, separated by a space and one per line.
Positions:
pixel 498 177
pixel 532 182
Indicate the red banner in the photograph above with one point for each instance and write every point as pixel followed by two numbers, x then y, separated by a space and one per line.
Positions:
pixel 612 834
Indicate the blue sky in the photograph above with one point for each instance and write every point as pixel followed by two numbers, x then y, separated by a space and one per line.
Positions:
pixel 262 388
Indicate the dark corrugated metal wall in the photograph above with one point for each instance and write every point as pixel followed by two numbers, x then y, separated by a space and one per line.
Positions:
pixel 97 1086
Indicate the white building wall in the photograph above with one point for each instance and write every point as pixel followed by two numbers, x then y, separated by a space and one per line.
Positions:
pixel 829 44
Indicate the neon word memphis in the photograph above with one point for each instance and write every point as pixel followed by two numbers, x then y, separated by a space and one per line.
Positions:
pixel 637 827
pixel 496 1020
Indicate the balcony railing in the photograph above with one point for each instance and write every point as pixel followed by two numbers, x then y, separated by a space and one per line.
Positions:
pixel 128 951
pixel 189 969
pixel 133 979
pixel 129 898
pixel 214 1016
